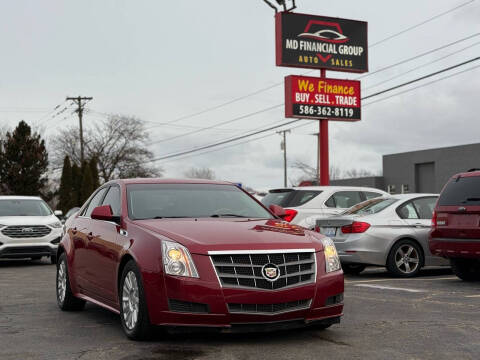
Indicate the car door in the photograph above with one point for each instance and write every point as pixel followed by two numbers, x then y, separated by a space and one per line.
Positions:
pixel 104 249
pixel 79 230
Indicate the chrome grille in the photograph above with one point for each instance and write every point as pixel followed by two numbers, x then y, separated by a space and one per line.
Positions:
pixel 270 309
pixel 26 231
pixel 244 269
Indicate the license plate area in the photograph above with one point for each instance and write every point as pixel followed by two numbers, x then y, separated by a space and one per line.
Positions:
pixel 328 231
pixel 463 220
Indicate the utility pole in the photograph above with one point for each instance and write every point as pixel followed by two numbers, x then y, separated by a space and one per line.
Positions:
pixel 283 146
pixel 80 101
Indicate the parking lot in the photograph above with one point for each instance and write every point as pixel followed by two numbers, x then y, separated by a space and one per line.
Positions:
pixel 434 316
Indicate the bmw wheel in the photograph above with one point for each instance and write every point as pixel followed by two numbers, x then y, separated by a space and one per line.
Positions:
pixel 65 298
pixel 405 259
pixel 133 307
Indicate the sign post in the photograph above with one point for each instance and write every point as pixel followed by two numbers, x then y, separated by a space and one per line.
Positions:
pixel 320 42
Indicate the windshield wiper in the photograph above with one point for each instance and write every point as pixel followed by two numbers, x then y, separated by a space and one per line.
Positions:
pixel 228 215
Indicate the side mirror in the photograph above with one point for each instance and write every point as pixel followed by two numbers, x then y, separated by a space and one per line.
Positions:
pixel 58 213
pixel 104 213
pixel 277 210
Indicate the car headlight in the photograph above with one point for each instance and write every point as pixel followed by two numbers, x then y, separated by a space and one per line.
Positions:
pixel 332 261
pixel 56 225
pixel 177 260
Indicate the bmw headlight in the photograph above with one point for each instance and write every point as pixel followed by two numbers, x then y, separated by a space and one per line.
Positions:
pixel 177 260
pixel 56 225
pixel 332 261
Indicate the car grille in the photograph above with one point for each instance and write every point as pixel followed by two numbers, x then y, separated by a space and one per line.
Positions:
pixel 244 270
pixel 269 308
pixel 26 231
pixel 187 307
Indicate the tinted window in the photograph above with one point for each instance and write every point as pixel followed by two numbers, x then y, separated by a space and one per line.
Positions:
pixel 344 199
pixel 425 207
pixel 370 194
pixel 289 198
pixel 96 200
pixel 21 207
pixel 370 206
pixel 148 201
pixel 407 211
pixel 113 199
pixel 461 191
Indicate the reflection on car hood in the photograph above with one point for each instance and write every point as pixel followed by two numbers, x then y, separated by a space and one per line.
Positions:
pixel 203 235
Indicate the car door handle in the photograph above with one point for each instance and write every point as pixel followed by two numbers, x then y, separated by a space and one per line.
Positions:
pixel 90 236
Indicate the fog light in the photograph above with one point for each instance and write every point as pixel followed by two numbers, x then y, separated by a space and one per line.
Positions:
pixel 56 240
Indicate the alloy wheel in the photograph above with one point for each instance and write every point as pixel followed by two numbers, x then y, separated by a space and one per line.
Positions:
pixel 61 282
pixel 130 300
pixel 407 259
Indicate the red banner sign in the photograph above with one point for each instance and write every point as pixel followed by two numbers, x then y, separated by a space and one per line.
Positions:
pixel 321 98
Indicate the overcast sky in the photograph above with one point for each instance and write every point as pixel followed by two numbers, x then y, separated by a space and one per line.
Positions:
pixel 161 60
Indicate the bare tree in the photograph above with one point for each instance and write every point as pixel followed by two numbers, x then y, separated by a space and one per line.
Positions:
pixel 119 144
pixel 357 173
pixel 200 173
pixel 310 173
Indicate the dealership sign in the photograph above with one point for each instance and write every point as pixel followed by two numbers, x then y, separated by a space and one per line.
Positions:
pixel 322 98
pixel 321 42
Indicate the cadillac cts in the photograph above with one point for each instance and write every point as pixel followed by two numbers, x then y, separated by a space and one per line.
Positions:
pixel 196 253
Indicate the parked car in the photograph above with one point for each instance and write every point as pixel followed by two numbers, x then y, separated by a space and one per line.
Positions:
pixel 28 228
pixel 69 213
pixel 305 204
pixel 389 231
pixel 455 231
pixel 195 253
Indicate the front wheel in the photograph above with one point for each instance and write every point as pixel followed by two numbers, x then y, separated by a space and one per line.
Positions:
pixel 65 298
pixel 133 307
pixel 466 269
pixel 405 259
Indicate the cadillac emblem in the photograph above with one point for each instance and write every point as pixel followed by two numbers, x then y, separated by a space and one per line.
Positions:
pixel 270 272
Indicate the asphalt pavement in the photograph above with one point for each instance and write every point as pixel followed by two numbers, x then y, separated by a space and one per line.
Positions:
pixel 434 316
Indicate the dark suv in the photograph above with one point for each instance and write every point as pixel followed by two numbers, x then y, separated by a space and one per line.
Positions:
pixel 455 230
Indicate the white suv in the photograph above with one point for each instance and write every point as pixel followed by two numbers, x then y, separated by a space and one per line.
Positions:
pixel 305 204
pixel 28 228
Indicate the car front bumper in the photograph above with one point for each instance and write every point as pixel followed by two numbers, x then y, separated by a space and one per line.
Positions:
pixel 15 248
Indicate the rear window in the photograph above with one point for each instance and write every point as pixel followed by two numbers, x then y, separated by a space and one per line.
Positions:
pixel 461 191
pixel 289 198
pixel 370 206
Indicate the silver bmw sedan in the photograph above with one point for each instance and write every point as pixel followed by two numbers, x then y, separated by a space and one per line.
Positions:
pixel 390 231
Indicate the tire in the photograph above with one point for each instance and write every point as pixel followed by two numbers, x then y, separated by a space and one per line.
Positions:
pixel 133 311
pixel 405 259
pixel 53 259
pixel 466 269
pixel 353 269
pixel 65 298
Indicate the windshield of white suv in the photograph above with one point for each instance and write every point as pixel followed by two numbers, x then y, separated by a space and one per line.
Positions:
pixel 372 206
pixel 158 201
pixel 24 207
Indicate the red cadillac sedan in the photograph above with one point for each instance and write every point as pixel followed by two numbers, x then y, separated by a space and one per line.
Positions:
pixel 195 253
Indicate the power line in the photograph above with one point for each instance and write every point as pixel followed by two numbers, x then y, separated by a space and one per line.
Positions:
pixel 421 23
pixel 284 124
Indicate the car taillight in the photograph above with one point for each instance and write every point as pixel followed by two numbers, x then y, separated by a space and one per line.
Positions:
pixel 289 214
pixel 434 218
pixel 356 227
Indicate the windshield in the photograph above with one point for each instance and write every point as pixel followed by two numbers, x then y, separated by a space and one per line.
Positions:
pixel 154 201
pixel 289 197
pixel 372 206
pixel 20 207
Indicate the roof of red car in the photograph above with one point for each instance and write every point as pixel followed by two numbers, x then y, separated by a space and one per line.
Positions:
pixel 170 181
pixel 467 174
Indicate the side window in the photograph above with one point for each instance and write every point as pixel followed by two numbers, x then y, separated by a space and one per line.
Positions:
pixel 96 200
pixel 344 199
pixel 113 199
pixel 407 211
pixel 370 194
pixel 425 207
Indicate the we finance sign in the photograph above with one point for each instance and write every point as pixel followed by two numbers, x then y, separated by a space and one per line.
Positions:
pixel 322 98
pixel 321 42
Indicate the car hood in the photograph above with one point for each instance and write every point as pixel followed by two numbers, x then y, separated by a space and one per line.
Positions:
pixel 203 235
pixel 28 220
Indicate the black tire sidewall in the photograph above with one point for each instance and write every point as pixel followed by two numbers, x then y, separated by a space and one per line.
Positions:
pixel 466 269
pixel 142 327
pixel 391 265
